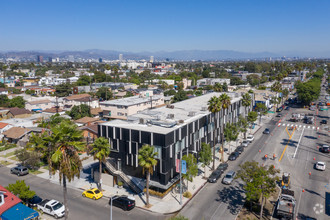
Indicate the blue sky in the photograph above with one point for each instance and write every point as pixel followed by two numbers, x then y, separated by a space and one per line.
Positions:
pixel 154 25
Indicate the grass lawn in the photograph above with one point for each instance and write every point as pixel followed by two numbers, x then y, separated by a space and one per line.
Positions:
pixel 9 154
pixel 35 172
pixel 13 158
pixel 5 163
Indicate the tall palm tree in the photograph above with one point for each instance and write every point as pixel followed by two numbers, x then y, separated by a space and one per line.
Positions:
pixel 65 160
pixel 147 160
pixel 217 87
pixel 276 87
pixel 214 106
pixel 101 150
pixel 246 100
pixel 226 102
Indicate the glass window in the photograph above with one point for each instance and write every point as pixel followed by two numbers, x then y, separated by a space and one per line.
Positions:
pixel 158 149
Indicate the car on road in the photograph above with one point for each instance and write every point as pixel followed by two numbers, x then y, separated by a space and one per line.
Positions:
pixel 245 143
pixel 52 207
pixel 19 170
pixel 325 149
pixel 287 108
pixel 240 149
pixel 320 166
pixel 324 122
pixel 266 131
pixel 34 201
pixel 233 156
pixel 216 174
pixel 222 166
pixel 93 193
pixel 124 202
pixel 279 109
pixel 250 138
pixel 229 178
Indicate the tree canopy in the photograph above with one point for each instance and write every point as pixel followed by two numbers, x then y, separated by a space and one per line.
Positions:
pixel 80 111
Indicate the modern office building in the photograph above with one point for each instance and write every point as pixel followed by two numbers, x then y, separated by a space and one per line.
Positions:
pixel 151 59
pixel 40 59
pixel 121 57
pixel 181 126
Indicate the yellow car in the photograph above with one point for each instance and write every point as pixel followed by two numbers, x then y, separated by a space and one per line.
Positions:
pixel 94 193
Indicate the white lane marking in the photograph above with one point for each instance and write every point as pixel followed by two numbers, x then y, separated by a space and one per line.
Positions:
pixel 309 127
pixel 283 124
pixel 313 127
pixel 317 128
pixel 306 159
pixel 298 205
pixel 298 143
pixel 304 126
pixel 279 124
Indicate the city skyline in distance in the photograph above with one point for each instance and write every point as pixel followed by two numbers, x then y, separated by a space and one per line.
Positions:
pixel 294 28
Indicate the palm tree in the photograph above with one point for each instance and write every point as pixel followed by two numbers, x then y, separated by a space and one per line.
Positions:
pixel 101 150
pixel 226 102
pixel 276 87
pixel 217 87
pixel 65 160
pixel 147 160
pixel 214 106
pixel 246 100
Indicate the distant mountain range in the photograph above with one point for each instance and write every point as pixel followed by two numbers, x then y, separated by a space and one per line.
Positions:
pixel 185 55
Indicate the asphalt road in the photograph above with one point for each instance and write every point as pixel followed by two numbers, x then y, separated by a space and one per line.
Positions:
pixel 79 208
pixel 218 201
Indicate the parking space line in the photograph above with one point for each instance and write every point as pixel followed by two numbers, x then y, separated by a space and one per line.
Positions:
pixel 298 143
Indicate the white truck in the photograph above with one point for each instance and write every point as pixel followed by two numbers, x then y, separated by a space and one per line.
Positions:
pixel 52 207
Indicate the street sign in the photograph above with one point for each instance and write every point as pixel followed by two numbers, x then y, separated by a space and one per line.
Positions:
pixel 184 167
pixel 177 164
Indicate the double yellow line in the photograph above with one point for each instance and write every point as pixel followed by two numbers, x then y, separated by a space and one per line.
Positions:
pixel 290 136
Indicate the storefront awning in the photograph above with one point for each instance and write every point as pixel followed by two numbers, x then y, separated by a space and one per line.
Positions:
pixel 19 212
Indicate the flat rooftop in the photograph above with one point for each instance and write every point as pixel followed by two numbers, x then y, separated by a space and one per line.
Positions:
pixel 164 119
pixel 129 101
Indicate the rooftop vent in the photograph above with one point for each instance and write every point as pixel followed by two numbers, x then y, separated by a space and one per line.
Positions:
pixel 181 121
pixel 170 106
pixel 191 114
pixel 142 121
pixel 170 116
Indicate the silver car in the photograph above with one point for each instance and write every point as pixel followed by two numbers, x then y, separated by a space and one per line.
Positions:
pixel 229 178
pixel 245 143
pixel 19 170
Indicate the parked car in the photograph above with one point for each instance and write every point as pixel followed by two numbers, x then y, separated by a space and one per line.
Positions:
pixel 19 170
pixel 324 122
pixel 124 202
pixel 320 166
pixel 222 166
pixel 287 108
pixel 229 178
pixel 34 201
pixel 325 149
pixel 266 131
pixel 250 138
pixel 240 149
pixel 93 193
pixel 245 143
pixel 233 156
pixel 52 207
pixel 216 174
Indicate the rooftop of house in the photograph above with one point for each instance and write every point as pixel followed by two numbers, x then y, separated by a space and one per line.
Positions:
pixel 2 125
pixel 16 132
pixel 92 128
pixel 19 111
pixel 53 110
pixel 78 96
pixel 168 118
pixel 95 111
pixel 10 200
pixel 129 101
pixel 86 120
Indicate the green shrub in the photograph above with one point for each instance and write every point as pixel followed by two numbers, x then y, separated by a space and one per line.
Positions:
pixel 187 194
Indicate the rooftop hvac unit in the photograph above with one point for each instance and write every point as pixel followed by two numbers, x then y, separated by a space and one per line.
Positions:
pixel 170 106
pixel 181 121
pixel 170 116
pixel 204 108
pixel 142 121
pixel 191 114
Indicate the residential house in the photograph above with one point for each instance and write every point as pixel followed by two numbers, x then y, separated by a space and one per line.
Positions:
pixel 4 127
pixel 90 133
pixel 79 99
pixel 11 207
pixel 17 135
pixel 182 126
pixel 53 111
pixel 122 108
pixel 96 112
pixel 39 105
pixel 17 113
pixel 85 121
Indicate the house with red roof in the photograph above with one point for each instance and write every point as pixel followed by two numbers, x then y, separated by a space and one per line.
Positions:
pixel 11 207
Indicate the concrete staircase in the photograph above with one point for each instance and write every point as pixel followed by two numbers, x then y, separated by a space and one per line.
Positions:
pixel 136 188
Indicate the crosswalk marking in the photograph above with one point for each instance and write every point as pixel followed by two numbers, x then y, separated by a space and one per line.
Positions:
pixel 279 124
pixel 304 126
pixel 309 127
pixel 299 126
pixel 313 127
pixel 283 124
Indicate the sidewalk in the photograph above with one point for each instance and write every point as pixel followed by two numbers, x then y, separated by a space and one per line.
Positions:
pixel 171 202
